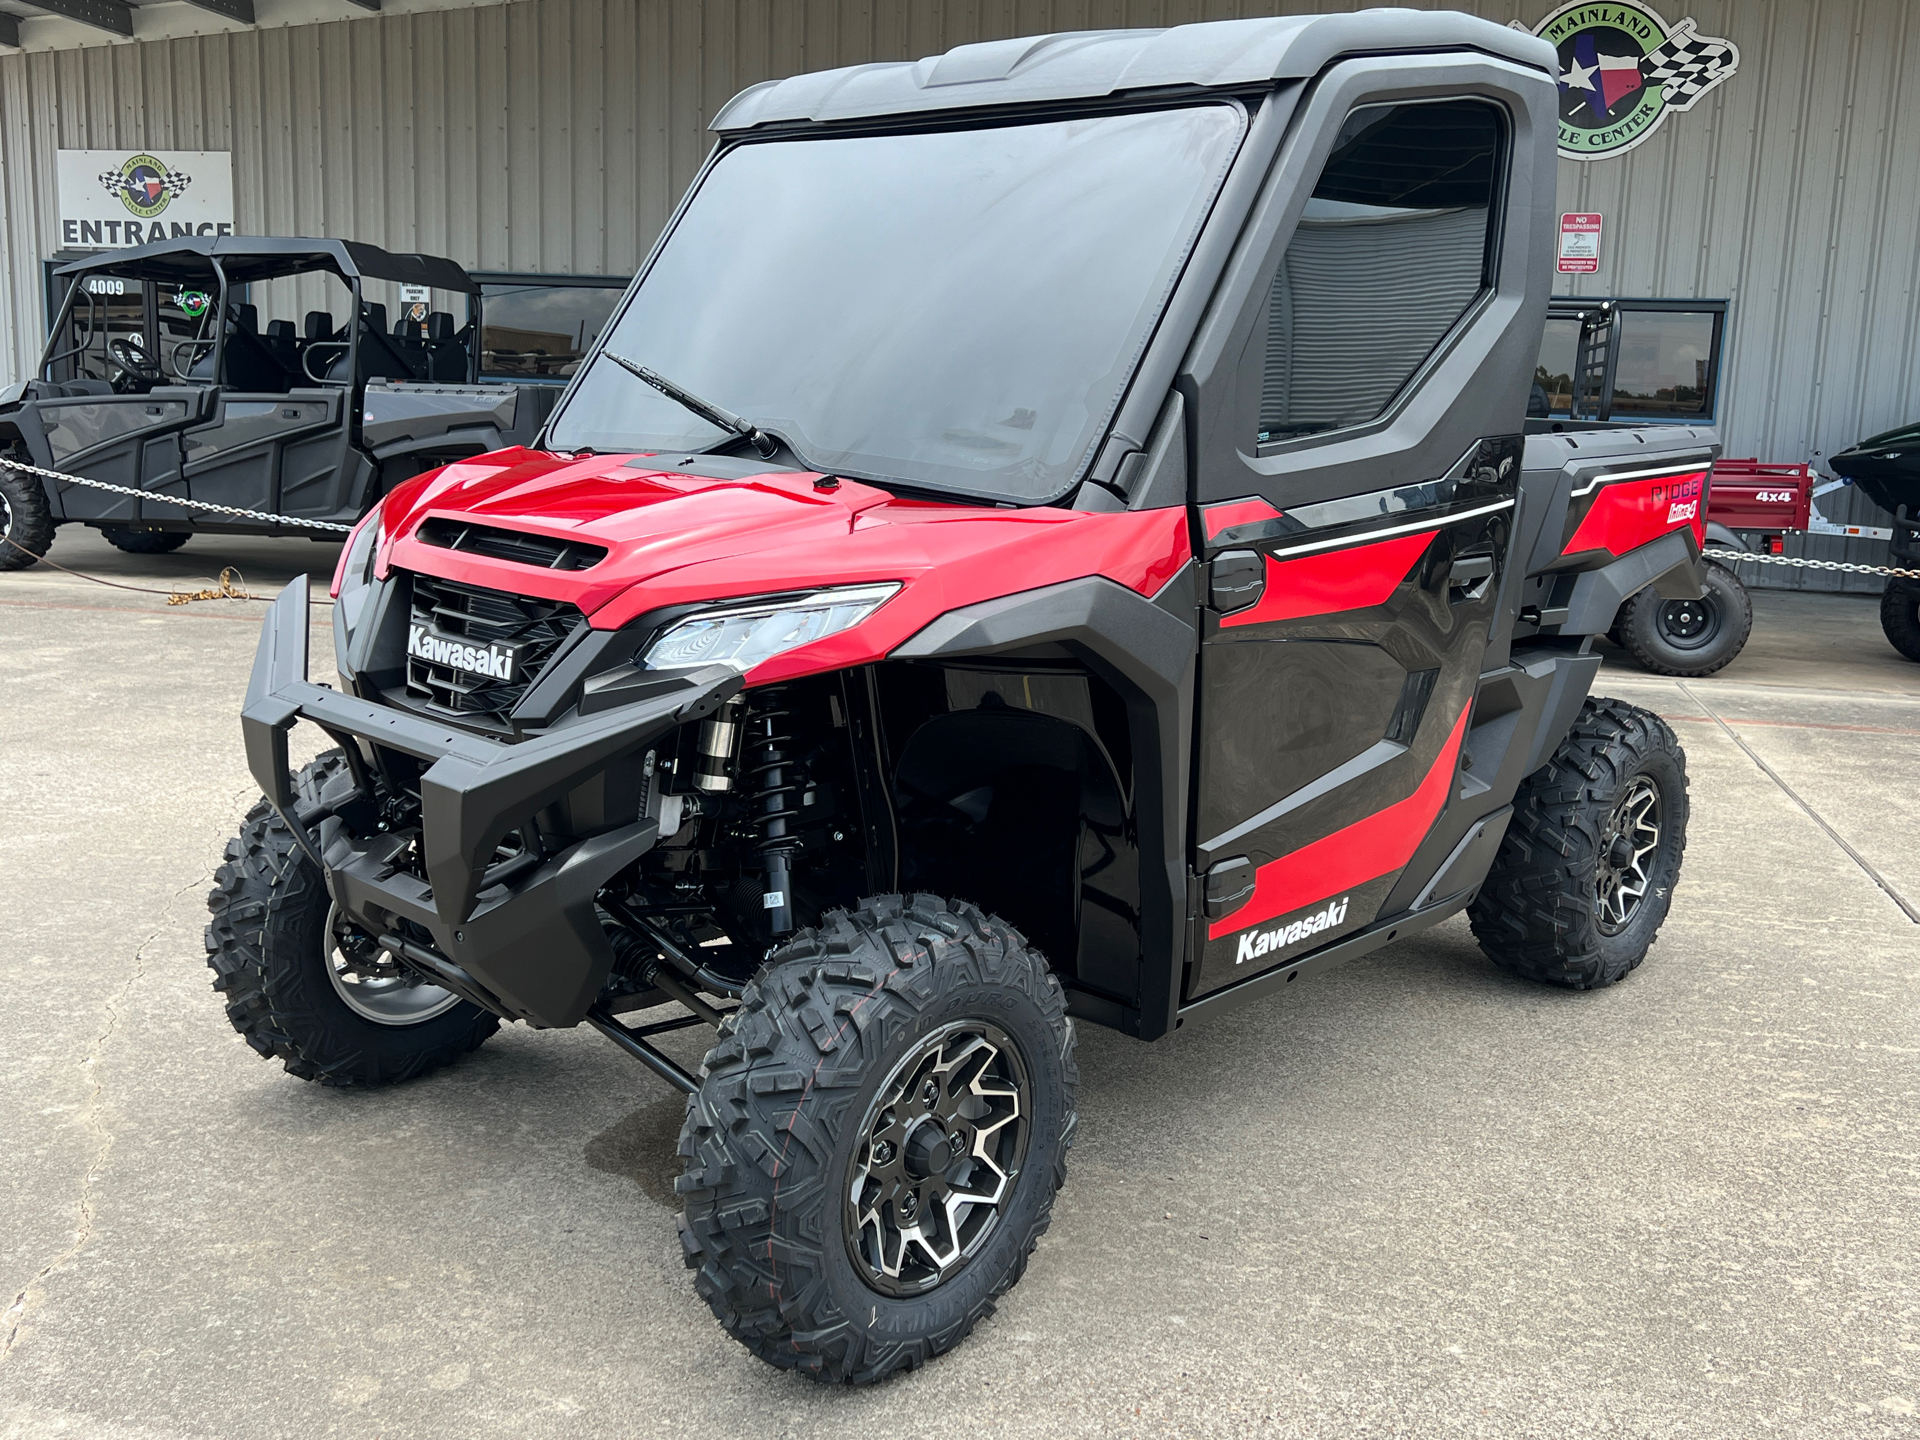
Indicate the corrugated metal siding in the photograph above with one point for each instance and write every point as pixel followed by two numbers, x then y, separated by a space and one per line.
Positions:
pixel 557 134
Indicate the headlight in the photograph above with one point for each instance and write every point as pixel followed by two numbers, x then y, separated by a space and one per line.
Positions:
pixel 744 635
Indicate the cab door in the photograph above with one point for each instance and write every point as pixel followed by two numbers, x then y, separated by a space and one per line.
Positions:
pixel 1356 478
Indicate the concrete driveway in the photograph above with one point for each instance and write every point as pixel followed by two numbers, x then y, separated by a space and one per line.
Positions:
pixel 1413 1197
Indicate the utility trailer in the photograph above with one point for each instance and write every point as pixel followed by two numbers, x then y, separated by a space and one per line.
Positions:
pixel 1099 583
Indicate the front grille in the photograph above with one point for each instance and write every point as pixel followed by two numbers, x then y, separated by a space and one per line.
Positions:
pixel 485 617
pixel 515 545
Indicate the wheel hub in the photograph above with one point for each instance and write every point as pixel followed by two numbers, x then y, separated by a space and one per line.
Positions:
pixel 1629 842
pixel 1689 623
pixel 373 985
pixel 937 1158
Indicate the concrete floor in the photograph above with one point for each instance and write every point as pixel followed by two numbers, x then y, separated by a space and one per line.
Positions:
pixel 1413 1197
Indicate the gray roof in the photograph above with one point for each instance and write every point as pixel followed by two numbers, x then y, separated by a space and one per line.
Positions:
pixel 1088 64
pixel 249 258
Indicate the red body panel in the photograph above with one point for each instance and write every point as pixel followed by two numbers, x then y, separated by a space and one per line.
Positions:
pixel 1365 850
pixel 1747 495
pixel 1337 580
pixel 1626 514
pixel 677 539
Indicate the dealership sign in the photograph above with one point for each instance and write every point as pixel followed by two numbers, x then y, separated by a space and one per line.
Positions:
pixel 1623 70
pixel 112 198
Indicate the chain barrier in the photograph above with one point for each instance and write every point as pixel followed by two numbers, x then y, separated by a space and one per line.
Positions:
pixel 206 506
pixel 1739 555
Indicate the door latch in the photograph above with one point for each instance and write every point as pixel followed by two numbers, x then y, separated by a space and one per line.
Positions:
pixel 1229 886
pixel 1235 580
pixel 1470 575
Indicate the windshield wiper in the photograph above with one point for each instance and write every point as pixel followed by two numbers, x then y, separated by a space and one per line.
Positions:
pixel 761 441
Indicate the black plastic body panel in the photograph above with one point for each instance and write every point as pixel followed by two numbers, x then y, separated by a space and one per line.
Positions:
pixel 1145 649
pixel 533 944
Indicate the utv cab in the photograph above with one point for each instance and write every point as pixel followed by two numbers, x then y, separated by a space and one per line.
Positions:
pixel 293 380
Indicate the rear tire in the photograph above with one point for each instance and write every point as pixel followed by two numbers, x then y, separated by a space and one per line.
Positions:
pixel 1586 871
pixel 138 540
pixel 1688 638
pixel 821 1179
pixel 1900 616
pixel 26 520
pixel 274 960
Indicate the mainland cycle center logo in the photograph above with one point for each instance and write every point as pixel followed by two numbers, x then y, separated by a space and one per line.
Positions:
pixel 145 185
pixel 1623 70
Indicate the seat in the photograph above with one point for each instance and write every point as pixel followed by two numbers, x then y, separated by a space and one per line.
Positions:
pixel 379 358
pixel 282 345
pixel 410 338
pixel 446 357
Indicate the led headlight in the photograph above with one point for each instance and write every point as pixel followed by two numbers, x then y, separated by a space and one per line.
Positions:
pixel 744 635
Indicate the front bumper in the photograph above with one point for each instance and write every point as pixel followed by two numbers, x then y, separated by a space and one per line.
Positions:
pixel 529 947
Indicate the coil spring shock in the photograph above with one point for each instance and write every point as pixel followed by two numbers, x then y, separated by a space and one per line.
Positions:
pixel 776 781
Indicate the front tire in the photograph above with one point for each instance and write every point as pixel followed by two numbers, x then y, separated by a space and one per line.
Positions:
pixel 140 540
pixel 26 520
pixel 1586 871
pixel 877 1138
pixel 1688 638
pixel 307 991
pixel 1900 616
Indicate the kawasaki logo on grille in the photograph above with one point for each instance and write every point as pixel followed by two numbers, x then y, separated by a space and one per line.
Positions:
pixel 495 661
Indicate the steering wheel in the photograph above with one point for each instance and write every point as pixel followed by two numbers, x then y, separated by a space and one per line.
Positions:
pixel 134 363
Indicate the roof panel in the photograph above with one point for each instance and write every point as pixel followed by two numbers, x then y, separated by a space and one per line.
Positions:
pixel 1090 64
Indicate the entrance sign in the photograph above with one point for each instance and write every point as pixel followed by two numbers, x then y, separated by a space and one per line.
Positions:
pixel 1579 244
pixel 114 198
pixel 1623 70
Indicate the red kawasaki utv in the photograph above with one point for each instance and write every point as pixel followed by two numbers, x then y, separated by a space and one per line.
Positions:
pixel 1124 588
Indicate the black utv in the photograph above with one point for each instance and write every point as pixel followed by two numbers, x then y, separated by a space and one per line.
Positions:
pixel 296 379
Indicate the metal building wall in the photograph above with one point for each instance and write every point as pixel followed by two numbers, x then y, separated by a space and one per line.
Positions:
pixel 556 135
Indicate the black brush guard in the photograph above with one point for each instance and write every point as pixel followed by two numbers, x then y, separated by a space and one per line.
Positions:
pixel 529 948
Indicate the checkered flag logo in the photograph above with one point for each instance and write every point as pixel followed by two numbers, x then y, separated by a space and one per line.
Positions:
pixel 1689 64
pixel 173 183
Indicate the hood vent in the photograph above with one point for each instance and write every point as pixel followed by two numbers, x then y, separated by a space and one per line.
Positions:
pixel 517 546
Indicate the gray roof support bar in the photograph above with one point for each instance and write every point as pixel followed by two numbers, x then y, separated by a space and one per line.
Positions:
pixel 110 15
pixel 241 10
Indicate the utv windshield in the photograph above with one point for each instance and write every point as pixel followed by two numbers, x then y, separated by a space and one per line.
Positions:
pixel 957 310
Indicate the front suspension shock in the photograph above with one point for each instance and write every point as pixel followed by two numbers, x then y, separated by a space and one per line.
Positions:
pixel 776 781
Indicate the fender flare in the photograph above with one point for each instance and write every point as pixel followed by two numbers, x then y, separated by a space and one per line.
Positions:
pixel 1148 650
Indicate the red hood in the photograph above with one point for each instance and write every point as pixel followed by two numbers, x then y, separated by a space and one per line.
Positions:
pixel 674 538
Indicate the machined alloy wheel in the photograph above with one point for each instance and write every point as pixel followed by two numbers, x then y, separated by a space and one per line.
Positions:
pixel 1628 840
pixel 305 987
pixel 942 1149
pixel 879 1130
pixel 374 986
pixel 1587 868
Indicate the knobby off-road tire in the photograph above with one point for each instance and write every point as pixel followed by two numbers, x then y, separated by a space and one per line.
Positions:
pixel 1900 616
pixel 137 540
pixel 790 1124
pixel 1688 638
pixel 272 960
pixel 1549 909
pixel 26 520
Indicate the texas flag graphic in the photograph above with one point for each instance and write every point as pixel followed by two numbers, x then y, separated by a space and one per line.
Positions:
pixel 1604 80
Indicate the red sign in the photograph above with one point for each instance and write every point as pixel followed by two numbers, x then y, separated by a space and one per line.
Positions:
pixel 1579 244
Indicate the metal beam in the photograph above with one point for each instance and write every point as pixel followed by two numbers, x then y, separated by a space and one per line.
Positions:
pixel 10 30
pixel 110 15
pixel 241 10
pixel 366 4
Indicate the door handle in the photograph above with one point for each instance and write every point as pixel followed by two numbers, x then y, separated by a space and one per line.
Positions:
pixel 1470 571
